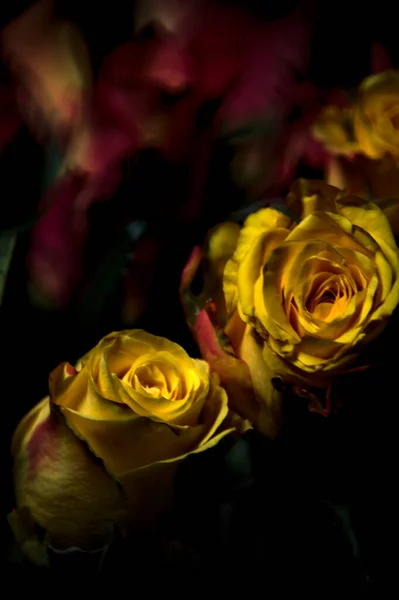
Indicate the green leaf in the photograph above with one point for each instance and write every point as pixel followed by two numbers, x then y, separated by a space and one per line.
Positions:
pixel 7 245
pixel 250 130
pixel 52 164
pixel 109 272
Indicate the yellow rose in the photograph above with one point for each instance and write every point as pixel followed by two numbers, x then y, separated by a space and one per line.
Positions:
pixel 351 165
pixel 302 299
pixel 103 449
pixel 376 115
pixel 370 126
pixel 334 129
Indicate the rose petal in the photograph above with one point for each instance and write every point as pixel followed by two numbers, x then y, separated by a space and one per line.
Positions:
pixel 371 219
pixel 137 442
pixel 250 267
pixel 257 224
pixel 48 461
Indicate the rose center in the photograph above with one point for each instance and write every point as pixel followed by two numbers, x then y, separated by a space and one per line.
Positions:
pixel 150 379
pixel 328 297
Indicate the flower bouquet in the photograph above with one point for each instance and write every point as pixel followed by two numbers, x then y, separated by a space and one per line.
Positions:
pixel 138 441
pixel 259 454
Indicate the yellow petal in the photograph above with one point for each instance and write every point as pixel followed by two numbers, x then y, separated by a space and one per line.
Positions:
pixel 137 442
pixel 333 229
pixel 150 489
pixel 312 260
pixel 80 393
pixel 334 128
pixel 250 267
pixel 268 419
pixel 385 274
pixel 222 242
pixel 374 122
pixel 256 225
pixel 269 293
pixel 230 290
pixel 371 219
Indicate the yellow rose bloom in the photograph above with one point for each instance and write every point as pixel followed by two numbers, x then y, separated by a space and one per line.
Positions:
pixel 302 299
pixel 370 126
pixel 376 115
pixel 334 129
pixel 104 448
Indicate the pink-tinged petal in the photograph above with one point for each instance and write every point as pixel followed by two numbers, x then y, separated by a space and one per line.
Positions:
pixel 206 337
pixel 42 446
pixel 233 373
pixel 70 369
pixel 191 267
pixel 48 460
pixel 91 172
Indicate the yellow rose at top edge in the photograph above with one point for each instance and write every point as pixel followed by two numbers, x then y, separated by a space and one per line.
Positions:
pixel 370 126
pixel 376 115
